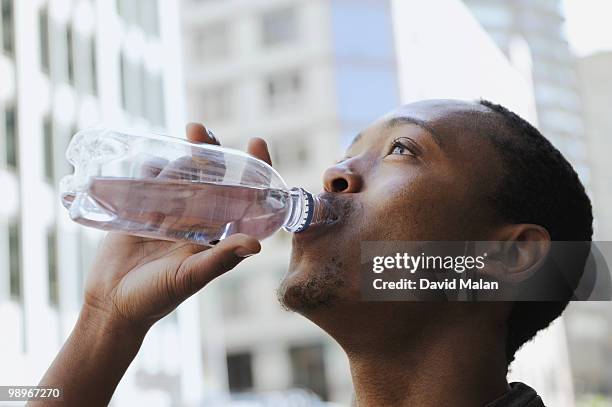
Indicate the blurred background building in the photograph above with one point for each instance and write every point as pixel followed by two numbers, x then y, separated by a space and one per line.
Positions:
pixel 298 74
pixel 306 76
pixel 301 75
pixel 66 65
pixel 590 335
pixel 540 24
pixel 571 96
pixel 595 86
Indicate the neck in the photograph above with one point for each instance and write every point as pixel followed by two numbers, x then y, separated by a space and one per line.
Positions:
pixel 459 365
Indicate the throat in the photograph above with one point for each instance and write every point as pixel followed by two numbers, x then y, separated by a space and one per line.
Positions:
pixel 434 373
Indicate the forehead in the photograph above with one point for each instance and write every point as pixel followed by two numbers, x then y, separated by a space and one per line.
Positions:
pixel 448 122
pixel 455 133
pixel 439 110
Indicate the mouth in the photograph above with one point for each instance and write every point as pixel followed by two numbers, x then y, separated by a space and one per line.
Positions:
pixel 337 212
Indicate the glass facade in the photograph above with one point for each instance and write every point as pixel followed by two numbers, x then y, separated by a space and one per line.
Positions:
pixel 365 65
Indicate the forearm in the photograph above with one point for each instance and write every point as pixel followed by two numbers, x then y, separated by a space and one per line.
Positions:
pixel 92 361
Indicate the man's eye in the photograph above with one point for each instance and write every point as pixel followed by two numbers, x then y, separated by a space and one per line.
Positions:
pixel 399 148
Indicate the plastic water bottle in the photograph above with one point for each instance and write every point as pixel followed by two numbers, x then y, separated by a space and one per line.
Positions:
pixel 169 188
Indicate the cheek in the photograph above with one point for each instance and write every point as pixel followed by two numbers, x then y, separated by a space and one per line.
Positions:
pixel 408 208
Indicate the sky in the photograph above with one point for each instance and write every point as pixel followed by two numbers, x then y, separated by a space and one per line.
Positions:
pixel 589 25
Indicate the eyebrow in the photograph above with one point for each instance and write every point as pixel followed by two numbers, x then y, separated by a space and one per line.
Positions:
pixel 402 120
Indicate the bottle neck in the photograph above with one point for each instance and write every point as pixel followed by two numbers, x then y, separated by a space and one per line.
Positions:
pixel 307 210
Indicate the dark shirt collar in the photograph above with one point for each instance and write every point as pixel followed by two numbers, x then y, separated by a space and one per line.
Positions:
pixel 519 395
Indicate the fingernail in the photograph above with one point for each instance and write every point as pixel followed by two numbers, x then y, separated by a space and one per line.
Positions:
pixel 243 252
pixel 212 135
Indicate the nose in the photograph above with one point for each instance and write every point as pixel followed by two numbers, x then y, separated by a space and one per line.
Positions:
pixel 341 178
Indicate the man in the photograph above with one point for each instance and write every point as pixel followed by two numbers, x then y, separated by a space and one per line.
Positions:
pixel 438 170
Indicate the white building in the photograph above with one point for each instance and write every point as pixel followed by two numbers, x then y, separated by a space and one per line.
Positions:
pixel 596 92
pixel 65 65
pixel 539 24
pixel 591 323
pixel 307 76
pixel 271 69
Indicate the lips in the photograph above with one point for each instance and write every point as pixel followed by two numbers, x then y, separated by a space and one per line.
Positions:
pixel 338 213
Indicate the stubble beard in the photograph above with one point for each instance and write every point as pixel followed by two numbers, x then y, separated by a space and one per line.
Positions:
pixel 319 289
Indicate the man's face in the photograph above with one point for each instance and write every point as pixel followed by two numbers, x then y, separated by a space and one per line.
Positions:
pixel 420 173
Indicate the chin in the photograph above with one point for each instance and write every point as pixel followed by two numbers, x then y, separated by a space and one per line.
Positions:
pixel 309 286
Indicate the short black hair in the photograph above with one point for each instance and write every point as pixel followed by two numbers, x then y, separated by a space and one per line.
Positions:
pixel 538 186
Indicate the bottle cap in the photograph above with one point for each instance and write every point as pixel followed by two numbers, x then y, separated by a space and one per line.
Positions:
pixel 308 211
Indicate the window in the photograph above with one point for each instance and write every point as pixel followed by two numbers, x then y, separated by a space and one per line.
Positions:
pixel 234 302
pixel 85 64
pixel 8 27
pixel 60 137
pixel 70 53
pixel 47 133
pixel 149 15
pixel 283 91
pixel 142 78
pixel 131 86
pixel 43 37
pixel 559 120
pixel 217 103
pixel 142 92
pixel 52 267
pixel 93 61
pixel 123 80
pixel 560 96
pixel 493 15
pixel 308 367
pixel 279 27
pixel 291 152
pixel 10 133
pixel 143 13
pixel 128 10
pixel 211 42
pixel 240 372
pixel 155 111
pixel 15 260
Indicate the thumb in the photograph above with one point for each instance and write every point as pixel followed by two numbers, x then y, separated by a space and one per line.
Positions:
pixel 199 269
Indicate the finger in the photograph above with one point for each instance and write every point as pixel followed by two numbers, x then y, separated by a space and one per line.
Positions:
pixel 200 268
pixel 258 148
pixel 253 174
pixel 210 165
pixel 198 133
pixel 151 168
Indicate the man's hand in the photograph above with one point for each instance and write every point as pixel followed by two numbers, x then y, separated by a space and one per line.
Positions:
pixel 134 282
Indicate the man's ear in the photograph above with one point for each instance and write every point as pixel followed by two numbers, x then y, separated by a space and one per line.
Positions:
pixel 517 252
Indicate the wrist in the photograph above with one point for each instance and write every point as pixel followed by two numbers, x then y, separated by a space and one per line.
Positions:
pixel 105 326
pixel 94 358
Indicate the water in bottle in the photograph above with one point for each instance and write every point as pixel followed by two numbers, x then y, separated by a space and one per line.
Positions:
pixel 168 188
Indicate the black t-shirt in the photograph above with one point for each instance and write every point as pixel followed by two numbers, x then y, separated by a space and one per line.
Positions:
pixel 520 395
